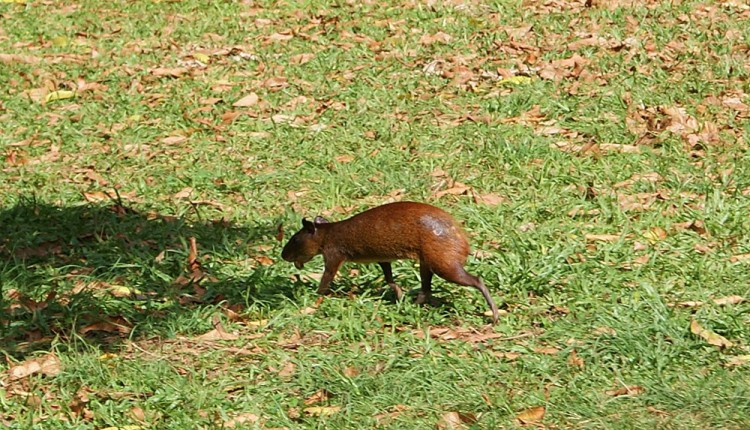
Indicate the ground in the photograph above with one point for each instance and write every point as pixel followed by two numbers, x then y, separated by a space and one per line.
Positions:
pixel 596 152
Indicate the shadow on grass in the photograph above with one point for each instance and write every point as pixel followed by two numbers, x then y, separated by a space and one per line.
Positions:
pixel 109 272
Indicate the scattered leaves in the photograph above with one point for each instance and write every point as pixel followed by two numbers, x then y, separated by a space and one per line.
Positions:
pixel 531 416
pixel 47 365
pixel 629 390
pixel 709 336
pixel 321 411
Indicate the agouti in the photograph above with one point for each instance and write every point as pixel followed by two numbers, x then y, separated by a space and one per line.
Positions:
pixel 394 231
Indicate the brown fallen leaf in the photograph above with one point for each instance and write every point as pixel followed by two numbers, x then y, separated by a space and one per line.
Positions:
pixel 739 360
pixel 575 360
pixel 689 304
pixel 251 99
pixel 530 416
pixel 288 370
pixel 489 199
pixel 173 72
pixel 547 350
pixel 439 37
pixel 280 232
pixel 173 140
pixel 709 336
pixel 319 396
pixel 301 59
pixel 321 411
pixel 385 418
pixel 457 189
pixel 308 310
pixel 655 234
pixel 629 390
pixel 602 237
pixel 137 414
pixel 740 258
pixel 218 332
pixel 276 83
pixel 19 58
pixel 729 300
pixel 350 371
pixel 47 365
pixel 616 147
pixel 241 420
pixel 111 325
pixel 456 421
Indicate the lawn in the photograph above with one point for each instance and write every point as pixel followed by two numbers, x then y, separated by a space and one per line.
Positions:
pixel 155 155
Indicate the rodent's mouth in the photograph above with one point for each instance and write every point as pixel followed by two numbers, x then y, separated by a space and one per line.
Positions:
pixel 299 264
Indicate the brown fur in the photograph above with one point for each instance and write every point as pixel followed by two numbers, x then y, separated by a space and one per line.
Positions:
pixel 394 231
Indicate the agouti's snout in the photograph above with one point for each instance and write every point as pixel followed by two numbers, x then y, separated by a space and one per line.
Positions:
pixel 395 231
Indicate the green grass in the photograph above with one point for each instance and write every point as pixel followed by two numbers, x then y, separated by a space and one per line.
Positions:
pixel 377 112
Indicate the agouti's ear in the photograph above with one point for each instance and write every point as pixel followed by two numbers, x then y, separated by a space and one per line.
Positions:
pixel 320 220
pixel 308 226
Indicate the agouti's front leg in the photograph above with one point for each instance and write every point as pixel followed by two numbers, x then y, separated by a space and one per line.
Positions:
pixel 332 264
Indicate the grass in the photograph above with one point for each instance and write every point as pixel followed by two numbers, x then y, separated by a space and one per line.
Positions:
pixel 616 208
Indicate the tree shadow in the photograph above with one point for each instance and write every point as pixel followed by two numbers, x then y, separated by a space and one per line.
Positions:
pixel 108 272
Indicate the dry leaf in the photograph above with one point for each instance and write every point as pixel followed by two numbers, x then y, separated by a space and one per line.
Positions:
pixel 175 72
pixel 241 420
pixel 456 190
pixel 489 199
pixel 112 325
pixel 183 193
pixel 321 411
pixel 275 83
pixel 739 258
pixel 385 418
pixel 729 300
pixel 258 323
pixel 631 390
pixel 531 415
pixel 137 414
pixel 690 304
pixel 451 421
pixel 739 360
pixel 547 350
pixel 605 330
pixel 655 234
pixel 319 396
pixel 346 158
pixel 218 333
pixel 48 365
pixel 575 360
pixel 288 370
pixel 301 58
pixel 308 311
pixel 173 140
pixel 19 58
pixel 602 237
pixel 709 336
pixel 350 372
pixel 59 95
pixel 441 37
pixel 251 99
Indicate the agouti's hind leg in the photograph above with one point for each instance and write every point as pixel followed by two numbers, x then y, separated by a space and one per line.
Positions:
pixel 389 279
pixel 425 294
pixel 458 275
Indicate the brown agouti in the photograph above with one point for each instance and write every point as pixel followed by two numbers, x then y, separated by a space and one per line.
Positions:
pixel 394 231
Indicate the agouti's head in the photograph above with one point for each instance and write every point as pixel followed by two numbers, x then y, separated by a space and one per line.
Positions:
pixel 305 244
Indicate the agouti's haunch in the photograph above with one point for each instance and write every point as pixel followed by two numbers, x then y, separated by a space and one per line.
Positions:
pixel 394 231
